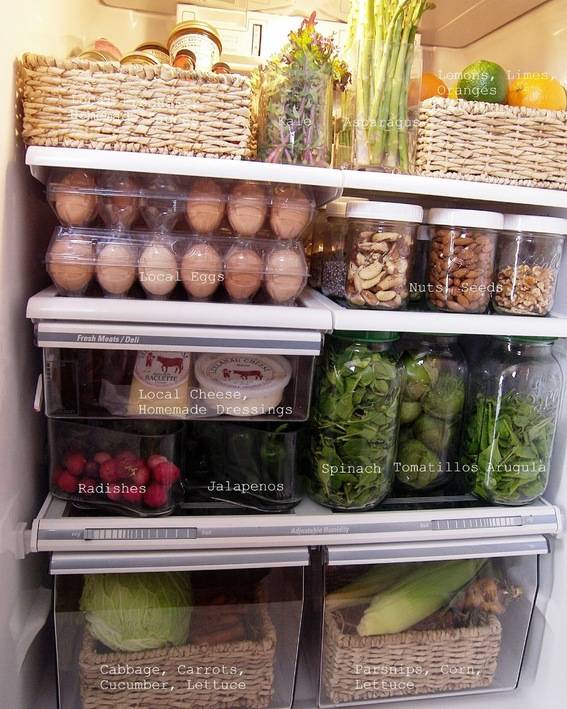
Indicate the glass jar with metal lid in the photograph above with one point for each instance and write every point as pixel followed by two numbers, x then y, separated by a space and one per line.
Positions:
pixel 511 414
pixel 199 37
pixel 461 259
pixel 527 264
pixel 431 413
pixel 156 49
pixel 380 251
pixel 355 420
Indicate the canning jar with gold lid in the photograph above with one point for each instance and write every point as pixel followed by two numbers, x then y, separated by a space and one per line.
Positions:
pixel 199 37
pixel 155 49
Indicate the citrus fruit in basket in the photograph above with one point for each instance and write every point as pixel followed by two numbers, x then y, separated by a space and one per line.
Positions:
pixel 432 85
pixel 453 92
pixel 537 92
pixel 483 81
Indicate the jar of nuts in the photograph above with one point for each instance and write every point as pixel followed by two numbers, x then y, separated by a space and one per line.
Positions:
pixel 462 248
pixel 380 251
pixel 527 264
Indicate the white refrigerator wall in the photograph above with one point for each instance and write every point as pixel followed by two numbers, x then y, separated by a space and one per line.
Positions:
pixel 535 42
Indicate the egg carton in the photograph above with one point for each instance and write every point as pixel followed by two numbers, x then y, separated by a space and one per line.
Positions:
pixel 161 266
pixel 122 200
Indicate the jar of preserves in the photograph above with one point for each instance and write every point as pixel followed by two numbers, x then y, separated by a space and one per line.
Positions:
pixel 355 420
pixel 431 413
pixel 462 247
pixel 527 264
pixel 512 409
pixel 156 49
pixel 380 248
pixel 199 37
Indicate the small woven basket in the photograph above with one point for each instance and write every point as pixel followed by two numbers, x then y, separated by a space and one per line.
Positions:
pixel 508 145
pixel 254 658
pixel 77 103
pixel 422 656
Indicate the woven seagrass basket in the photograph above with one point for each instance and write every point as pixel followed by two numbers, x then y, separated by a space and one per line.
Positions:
pixel 429 651
pixel 77 103
pixel 508 145
pixel 253 657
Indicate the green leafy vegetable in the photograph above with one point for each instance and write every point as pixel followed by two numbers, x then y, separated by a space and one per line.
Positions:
pixel 295 111
pixel 354 427
pixel 508 444
pixel 134 612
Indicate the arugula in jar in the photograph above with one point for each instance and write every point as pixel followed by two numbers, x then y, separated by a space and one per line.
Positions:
pixel 507 445
pixel 354 427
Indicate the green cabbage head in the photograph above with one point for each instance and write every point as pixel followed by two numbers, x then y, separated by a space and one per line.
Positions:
pixel 134 612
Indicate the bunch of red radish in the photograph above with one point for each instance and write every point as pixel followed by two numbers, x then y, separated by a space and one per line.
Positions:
pixel 120 478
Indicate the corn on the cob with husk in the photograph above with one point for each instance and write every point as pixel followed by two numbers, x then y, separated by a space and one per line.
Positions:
pixel 425 590
pixel 363 589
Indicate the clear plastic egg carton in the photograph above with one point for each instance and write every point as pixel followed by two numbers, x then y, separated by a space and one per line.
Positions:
pixel 162 203
pixel 120 264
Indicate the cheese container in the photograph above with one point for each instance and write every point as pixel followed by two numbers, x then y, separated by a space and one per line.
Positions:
pixel 129 467
pixel 246 384
pixel 123 200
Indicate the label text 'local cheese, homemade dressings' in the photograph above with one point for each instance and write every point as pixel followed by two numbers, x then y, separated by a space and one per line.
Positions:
pixel 160 384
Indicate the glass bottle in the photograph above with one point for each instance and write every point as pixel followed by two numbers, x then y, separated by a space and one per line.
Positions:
pixel 355 421
pixel 431 414
pixel 512 408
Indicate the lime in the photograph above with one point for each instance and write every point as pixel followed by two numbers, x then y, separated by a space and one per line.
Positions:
pixel 483 81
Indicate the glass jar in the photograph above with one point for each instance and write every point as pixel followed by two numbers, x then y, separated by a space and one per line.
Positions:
pixel 512 408
pixel 462 247
pixel 320 228
pixel 527 264
pixel 419 273
pixel 295 114
pixel 380 248
pixel 334 270
pixel 431 413
pixel 355 421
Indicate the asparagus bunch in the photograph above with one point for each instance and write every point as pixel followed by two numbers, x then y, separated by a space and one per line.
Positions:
pixel 385 32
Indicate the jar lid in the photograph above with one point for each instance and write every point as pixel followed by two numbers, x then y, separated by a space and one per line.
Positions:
pixel 338 207
pixel 466 218
pixel 389 211
pixel 527 339
pixel 534 224
pixel 195 27
pixel 366 335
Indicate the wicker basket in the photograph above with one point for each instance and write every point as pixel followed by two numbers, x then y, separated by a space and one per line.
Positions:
pixel 149 109
pixel 507 145
pixel 255 658
pixel 474 648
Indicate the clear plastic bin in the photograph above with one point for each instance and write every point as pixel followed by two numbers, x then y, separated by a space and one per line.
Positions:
pixel 199 638
pixel 430 629
pixel 161 202
pixel 381 242
pixel 128 466
pixel 254 466
pixel 528 259
pixel 106 383
pixel 462 248
pixel 159 266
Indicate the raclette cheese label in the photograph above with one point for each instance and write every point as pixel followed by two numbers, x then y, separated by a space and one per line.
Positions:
pixel 160 384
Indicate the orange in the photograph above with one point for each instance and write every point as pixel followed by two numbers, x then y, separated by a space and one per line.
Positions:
pixel 431 86
pixel 537 92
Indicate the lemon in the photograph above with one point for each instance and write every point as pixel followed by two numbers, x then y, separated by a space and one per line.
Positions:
pixel 483 81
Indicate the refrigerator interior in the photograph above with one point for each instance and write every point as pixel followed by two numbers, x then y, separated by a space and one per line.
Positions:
pixel 535 41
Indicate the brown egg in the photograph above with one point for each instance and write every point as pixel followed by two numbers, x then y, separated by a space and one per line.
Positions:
pixel 285 274
pixel 291 212
pixel 157 270
pixel 244 269
pixel 205 206
pixel 247 208
pixel 116 268
pixel 70 263
pixel 121 207
pixel 201 270
pixel 76 207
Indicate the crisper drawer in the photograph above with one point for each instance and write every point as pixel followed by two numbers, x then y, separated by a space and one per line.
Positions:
pixel 106 370
pixel 184 629
pixel 410 621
